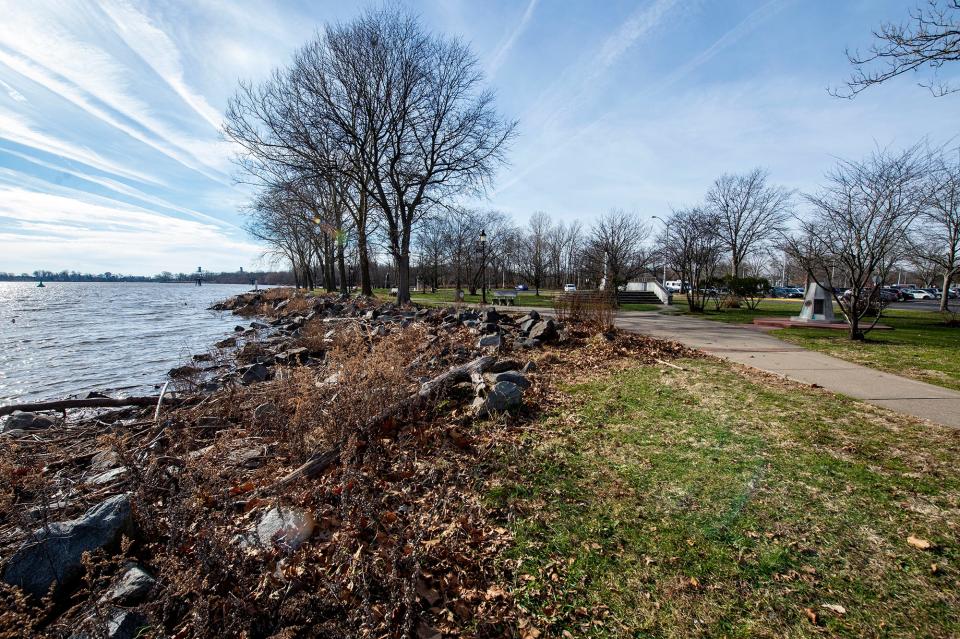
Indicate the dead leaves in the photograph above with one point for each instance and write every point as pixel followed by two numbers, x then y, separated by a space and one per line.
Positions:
pixel 919 543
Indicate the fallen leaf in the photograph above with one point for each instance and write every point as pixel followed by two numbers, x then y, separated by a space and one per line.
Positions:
pixel 837 608
pixel 811 615
pixel 917 542
pixel 934 569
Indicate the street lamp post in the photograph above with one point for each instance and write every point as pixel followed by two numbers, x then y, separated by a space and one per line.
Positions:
pixel 483 266
pixel 666 233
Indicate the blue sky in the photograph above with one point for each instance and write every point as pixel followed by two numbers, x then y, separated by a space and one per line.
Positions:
pixel 110 157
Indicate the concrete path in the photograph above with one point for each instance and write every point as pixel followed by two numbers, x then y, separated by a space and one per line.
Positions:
pixel 747 345
pixel 751 347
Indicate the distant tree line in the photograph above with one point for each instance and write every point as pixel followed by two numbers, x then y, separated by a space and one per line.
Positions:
pixel 266 278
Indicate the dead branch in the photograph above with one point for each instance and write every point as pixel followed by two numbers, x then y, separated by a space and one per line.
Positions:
pixel 429 390
pixel 94 402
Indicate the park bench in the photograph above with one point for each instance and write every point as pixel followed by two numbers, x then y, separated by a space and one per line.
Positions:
pixel 509 298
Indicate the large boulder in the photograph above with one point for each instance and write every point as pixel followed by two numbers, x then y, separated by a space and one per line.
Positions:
pixel 514 377
pixel 52 555
pixel 490 316
pixel 504 365
pixel 27 421
pixel 490 341
pixel 503 397
pixel 253 374
pixel 544 330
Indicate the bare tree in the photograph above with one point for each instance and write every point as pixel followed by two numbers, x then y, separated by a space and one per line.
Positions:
pixel 859 227
pixel 616 248
pixel 534 250
pixel 750 214
pixel 939 236
pixel 693 248
pixel 930 38
pixel 429 130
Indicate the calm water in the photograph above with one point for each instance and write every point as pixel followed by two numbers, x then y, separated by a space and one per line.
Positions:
pixel 71 338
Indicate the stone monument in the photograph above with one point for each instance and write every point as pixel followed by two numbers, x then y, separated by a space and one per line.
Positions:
pixel 817 306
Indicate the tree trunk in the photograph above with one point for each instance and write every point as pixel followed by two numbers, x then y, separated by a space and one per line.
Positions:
pixel 366 287
pixel 945 291
pixel 342 267
pixel 403 278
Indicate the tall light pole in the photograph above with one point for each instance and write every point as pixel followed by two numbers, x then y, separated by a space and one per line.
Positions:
pixel 483 265
pixel 666 236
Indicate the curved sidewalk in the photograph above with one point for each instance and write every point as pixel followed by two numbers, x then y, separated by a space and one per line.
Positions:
pixel 751 347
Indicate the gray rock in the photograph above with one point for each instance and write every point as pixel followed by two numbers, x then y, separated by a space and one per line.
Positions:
pixel 504 365
pixel 285 528
pixel 513 377
pixel 227 343
pixel 27 421
pixel 264 410
pixel 545 331
pixel 133 586
pixel 248 457
pixel 259 325
pixel 490 316
pixel 535 316
pixel 52 555
pixel 253 374
pixel 490 341
pixel 503 397
pixel 107 476
pixel 488 328
pixel 125 624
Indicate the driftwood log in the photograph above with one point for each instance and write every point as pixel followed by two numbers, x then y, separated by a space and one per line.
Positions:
pixel 430 390
pixel 93 402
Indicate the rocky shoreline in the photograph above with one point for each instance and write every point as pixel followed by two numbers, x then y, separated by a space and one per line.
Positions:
pixel 319 440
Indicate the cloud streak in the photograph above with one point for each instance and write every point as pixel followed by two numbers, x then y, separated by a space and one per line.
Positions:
pixel 503 50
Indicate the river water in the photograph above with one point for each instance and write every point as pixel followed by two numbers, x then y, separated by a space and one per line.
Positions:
pixel 71 338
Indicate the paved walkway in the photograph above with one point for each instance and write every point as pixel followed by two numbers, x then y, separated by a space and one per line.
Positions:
pixel 751 347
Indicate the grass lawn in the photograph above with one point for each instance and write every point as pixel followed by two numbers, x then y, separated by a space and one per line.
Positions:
pixel 920 347
pixel 707 502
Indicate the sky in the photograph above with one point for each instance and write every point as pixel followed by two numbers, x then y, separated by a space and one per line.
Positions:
pixel 111 158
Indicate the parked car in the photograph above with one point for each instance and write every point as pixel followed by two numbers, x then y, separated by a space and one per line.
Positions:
pixel 921 294
pixel 569 288
pixel 935 292
pixel 898 293
pixel 522 287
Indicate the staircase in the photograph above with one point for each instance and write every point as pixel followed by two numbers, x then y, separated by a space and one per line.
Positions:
pixel 637 297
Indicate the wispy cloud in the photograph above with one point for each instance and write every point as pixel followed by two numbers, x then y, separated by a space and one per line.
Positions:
pixel 157 50
pixel 505 46
pixel 119 188
pixel 58 232
pixel 644 20
pixel 18 129
pixel 39 46
pixel 15 95
pixel 731 37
